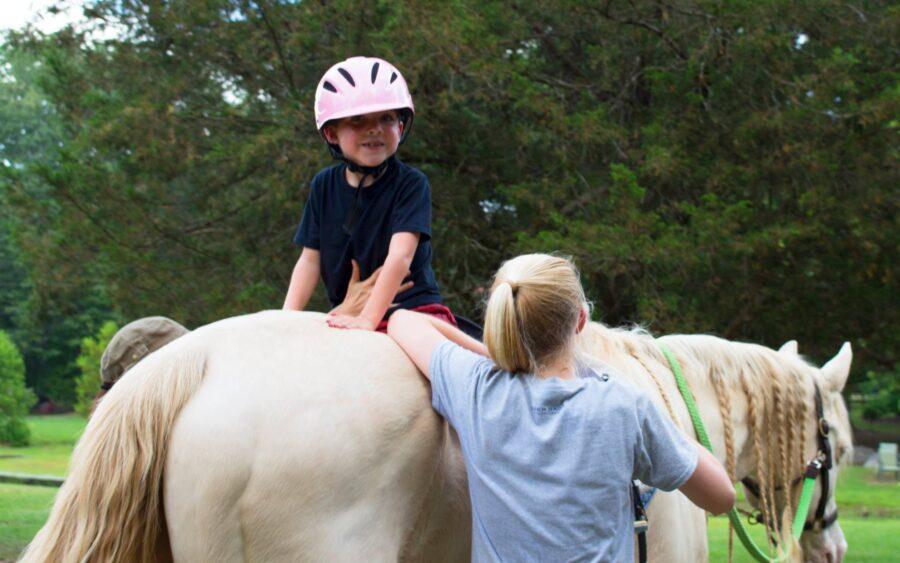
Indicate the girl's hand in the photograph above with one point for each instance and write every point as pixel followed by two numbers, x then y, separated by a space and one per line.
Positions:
pixel 349 321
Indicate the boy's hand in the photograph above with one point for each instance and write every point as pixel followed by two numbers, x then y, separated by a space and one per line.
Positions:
pixel 349 321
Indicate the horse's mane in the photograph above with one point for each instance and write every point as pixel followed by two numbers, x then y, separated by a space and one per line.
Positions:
pixel 777 388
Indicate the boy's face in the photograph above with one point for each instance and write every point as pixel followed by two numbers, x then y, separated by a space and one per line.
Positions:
pixel 367 139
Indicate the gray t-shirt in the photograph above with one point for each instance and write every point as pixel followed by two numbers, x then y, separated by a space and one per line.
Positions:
pixel 550 461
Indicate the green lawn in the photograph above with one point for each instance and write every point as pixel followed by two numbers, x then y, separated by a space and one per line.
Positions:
pixel 870 509
pixel 23 510
pixel 52 439
pixel 860 494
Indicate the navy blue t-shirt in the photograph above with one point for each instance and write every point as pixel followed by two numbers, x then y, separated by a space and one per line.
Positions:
pixel 398 202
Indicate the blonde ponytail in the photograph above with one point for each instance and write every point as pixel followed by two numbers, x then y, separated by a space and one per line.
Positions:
pixel 502 334
pixel 532 312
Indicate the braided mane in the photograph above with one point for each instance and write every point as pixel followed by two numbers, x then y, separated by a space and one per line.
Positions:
pixel 776 388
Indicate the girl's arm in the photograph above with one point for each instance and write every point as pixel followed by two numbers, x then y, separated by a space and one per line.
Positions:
pixel 303 280
pixel 395 268
pixel 420 334
pixel 454 335
pixel 709 486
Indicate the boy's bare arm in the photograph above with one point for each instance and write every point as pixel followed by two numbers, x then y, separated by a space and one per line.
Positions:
pixel 303 280
pixel 395 268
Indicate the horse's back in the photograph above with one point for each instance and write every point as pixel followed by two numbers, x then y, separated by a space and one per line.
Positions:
pixel 303 442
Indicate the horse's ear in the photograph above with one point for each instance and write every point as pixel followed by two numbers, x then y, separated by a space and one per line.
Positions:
pixel 838 368
pixel 789 347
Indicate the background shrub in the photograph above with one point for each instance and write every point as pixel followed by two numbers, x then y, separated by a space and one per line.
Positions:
pixel 15 399
pixel 88 383
pixel 882 389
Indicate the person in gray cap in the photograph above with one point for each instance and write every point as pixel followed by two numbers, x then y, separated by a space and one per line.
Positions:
pixel 134 341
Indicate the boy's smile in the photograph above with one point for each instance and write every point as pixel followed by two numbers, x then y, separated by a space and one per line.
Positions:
pixel 367 139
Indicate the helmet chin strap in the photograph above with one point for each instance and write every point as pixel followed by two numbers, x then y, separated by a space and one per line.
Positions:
pixel 373 171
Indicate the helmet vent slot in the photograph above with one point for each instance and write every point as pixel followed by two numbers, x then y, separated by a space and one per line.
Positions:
pixel 329 86
pixel 346 75
pixel 375 71
pixel 393 77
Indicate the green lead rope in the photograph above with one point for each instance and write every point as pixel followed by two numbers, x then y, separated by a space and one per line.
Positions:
pixel 700 429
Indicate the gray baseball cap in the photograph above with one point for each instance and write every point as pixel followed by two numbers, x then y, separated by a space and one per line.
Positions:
pixel 134 341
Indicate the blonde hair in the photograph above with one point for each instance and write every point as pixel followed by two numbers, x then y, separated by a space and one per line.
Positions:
pixel 532 312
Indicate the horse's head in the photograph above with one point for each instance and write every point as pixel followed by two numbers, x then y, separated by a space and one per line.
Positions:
pixel 828 438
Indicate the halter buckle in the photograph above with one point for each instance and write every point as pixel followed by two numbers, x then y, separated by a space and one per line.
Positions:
pixel 641 526
pixel 755 518
pixel 814 467
pixel 824 427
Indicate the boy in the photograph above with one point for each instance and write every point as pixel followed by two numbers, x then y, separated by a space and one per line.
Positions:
pixel 372 209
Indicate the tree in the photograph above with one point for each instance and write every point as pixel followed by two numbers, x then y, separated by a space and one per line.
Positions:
pixel 15 399
pixel 46 305
pixel 712 167
pixel 88 383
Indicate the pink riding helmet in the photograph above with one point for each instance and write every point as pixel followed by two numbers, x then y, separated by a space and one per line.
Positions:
pixel 362 85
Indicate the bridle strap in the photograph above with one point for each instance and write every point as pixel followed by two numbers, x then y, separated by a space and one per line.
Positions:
pixel 822 431
pixel 821 524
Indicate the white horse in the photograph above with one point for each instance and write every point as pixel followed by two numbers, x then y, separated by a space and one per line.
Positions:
pixel 271 437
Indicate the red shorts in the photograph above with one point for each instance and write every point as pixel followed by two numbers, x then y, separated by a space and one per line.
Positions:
pixel 434 309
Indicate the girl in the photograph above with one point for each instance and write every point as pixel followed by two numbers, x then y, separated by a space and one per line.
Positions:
pixel 551 446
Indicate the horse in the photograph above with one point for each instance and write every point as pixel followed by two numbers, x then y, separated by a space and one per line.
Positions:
pixel 271 437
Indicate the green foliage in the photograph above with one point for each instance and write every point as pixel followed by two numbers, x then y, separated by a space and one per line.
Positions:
pixel 882 391
pixel 15 398
pixel 714 167
pixel 88 383
pixel 46 304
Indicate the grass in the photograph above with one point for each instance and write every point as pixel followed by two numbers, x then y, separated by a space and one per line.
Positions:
pixel 23 510
pixel 869 509
pixel 859 494
pixel 52 439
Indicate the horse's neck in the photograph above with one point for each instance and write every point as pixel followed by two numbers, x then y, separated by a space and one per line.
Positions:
pixel 639 359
